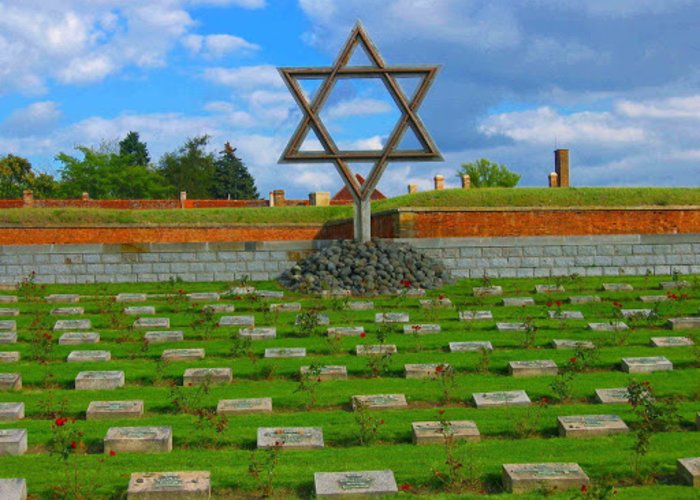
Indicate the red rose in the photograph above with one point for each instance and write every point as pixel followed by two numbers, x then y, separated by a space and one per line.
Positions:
pixel 73 445
pixel 439 368
pixel 558 303
pixel 363 335
pixel 381 422
pixel 60 421
pixel 112 453
pixel 405 487
pixel 572 360
pixel 584 488
pixel 549 303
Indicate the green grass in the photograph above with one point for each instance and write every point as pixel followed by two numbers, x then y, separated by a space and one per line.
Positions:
pixel 228 454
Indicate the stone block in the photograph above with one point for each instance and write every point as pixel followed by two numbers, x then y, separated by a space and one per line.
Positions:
pixel 131 297
pixel 345 331
pixel 219 308
pixel 565 314
pixel 572 344
pixel 518 302
pixel 646 364
pixel 617 287
pixel 532 368
pixel 653 299
pixel 260 333
pixel 671 342
pixel 72 324
pixel 511 327
pixel 13 489
pixel 436 432
pixel 200 376
pixel 182 354
pixel 285 352
pixel 99 380
pixel 380 401
pixel 674 285
pixel 523 478
pixel 139 310
pixel 104 410
pixel 8 326
pixel 375 350
pixel 190 485
pixel 10 381
pixel 689 471
pixel 11 412
pixel 204 297
pixel 320 319
pixel 160 337
pixel 237 321
pixel 138 440
pixel 8 312
pixel 8 299
pixel 88 356
pixel 391 317
pixel 67 311
pixel 63 298
pixel 362 483
pixel 286 307
pixel 590 425
pixel 549 289
pixel 475 315
pixel 75 338
pixel 421 329
pixel 684 323
pixel 611 326
pixel 476 346
pixel 618 395
pixel 326 372
pixel 293 438
pixel 152 323
pixel 8 337
pixel 13 441
pixel 501 398
pixel 636 313
pixel 9 356
pixel 426 370
pixel 243 406
pixel 487 291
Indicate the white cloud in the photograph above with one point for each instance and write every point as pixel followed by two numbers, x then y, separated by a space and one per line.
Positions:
pixel 359 107
pixel 246 4
pixel 36 118
pixel 670 108
pixel 216 46
pixel 245 77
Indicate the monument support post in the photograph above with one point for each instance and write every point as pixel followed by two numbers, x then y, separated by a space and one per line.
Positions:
pixel 362 220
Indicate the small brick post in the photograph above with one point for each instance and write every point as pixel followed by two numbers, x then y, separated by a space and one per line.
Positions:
pixel 553 180
pixel 466 182
pixel 86 197
pixel 561 166
pixel 412 188
pixel 320 199
pixel 439 182
pixel 278 197
pixel 183 198
pixel 28 198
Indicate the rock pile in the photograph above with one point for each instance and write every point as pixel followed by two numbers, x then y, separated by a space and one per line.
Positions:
pixel 377 267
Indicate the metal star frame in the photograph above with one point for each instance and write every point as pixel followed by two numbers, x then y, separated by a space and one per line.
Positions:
pixel 331 153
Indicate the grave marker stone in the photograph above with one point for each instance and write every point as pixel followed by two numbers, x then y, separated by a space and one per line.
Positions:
pixel 13 441
pixel 689 470
pixel 671 342
pixel 327 372
pixel 362 483
pixel 518 302
pixel 321 319
pixel 9 356
pixel 522 478
pixel 549 289
pixel 103 410
pixel 475 315
pixel 584 299
pixel 674 285
pixel 618 395
pixel 487 291
pixel 652 299
pixel 684 323
pixel 11 412
pixel 391 317
pixel 572 344
pixel 152 323
pixel 8 312
pixel 10 381
pixel 88 356
pixel 182 354
pixel 421 329
pixel 90 380
pixel 67 311
pixel 199 376
pixel 636 313
pixel 646 364
pixel 204 297
pixel 434 432
pixel 511 327
pixel 237 321
pixel 191 485
pixel 241 290
pixel 286 307
pixel 611 326
pixel 8 325
pixel 565 314
pixel 269 294
pixel 219 308
pixel 375 350
pixel 532 368
pixel 163 337
pixel 285 352
pixel 260 333
pixel 139 440
pixel 243 406
pixel 470 346
pixel 72 324
pixel 617 287
pixel 380 401
pixel 335 293
pixel 13 489
pixel 131 297
pixel 8 337
pixel 501 398
pixel 590 425
pixel 65 298
pixel 139 310
pixel 363 305
pixel 425 370
pixel 345 331
pixel 8 299
pixel 436 302
pixel 292 438
pixel 75 338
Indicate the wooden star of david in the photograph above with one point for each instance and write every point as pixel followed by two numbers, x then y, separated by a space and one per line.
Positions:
pixel 407 106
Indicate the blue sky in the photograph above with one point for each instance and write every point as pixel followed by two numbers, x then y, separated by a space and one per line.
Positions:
pixel 616 82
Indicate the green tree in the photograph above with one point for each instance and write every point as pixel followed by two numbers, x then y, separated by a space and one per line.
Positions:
pixel 45 186
pixel 190 168
pixel 15 176
pixel 483 173
pixel 136 150
pixel 231 177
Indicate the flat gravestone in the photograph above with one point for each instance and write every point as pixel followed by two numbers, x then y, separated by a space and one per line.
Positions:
pixel 412 292
pixel 653 299
pixel 360 305
pixel 243 406
pixel 487 291
pixel 572 344
pixel 131 297
pixel 590 425
pixel 75 338
pixel 636 313
pixel 646 365
pixel 182 354
pixel 475 315
pixel 237 321
pixel 10 381
pixel 8 337
pixel 518 302
pixel 617 287
pixel 375 349
pixel 335 293
pixel 522 478
pixel 436 302
pixel 327 372
pixel 13 489
pixel 139 310
pixel 674 285
pixel 285 352
pixel 219 308
pixel 8 299
pixel 152 323
pixel 361 483
pixel 321 319
pixel 99 380
pixel 72 324
pixel 671 342
pixel 399 317
pixel 617 395
pixel 380 401
pixel 345 331
pixel 260 333
pixel 511 327
pixel 425 370
pixel 190 485
pixel 532 368
pixel 163 337
pixel 9 356
pixel 200 376
pixel 584 299
pixel 139 440
pixel 269 294
pixel 67 311
pixel 565 314
pixel 241 290
pixel 11 412
pixel 13 441
pixel 88 356
pixel 293 438
pixel 502 398
pixel 204 297
pixel 286 307
pixel 63 298
pixel 610 326
pixel 103 410
pixel 689 470
pixel 421 329
pixel 8 312
pixel 474 346
pixel 436 432
pixel 549 289
pixel 8 325
pixel 684 323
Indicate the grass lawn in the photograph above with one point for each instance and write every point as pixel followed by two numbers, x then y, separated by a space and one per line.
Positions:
pixel 508 435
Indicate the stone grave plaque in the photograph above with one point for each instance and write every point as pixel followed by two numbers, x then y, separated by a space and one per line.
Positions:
pixel 8 312
pixel 139 310
pixel 204 297
pixel 131 297
pixel 269 294
pixel 13 441
pixel 433 432
pixel 11 412
pixel 689 470
pixel 612 396
pixel 10 381
pixel 475 346
pixel 9 356
pixel 425 370
pixel 139 440
pixel 565 314
pixel 502 398
pixel 328 372
pixel 380 401
pixel 67 311
pixel 590 425
pixel 198 376
pixel 521 478
pixel 346 331
pixel 335 293
pixel 242 406
pixel 617 287
pixel 152 323
pixel 8 325
pixel 360 305
pixel 286 307
pixel 162 337
pixel 285 352
pixel 412 292
pixel 636 313
pixel 362 483
pixel 99 380
pixel 8 337
pixel 72 324
pixel 511 327
pixel 190 485
pixel 260 333
pixel 572 344
pixel 549 289
pixel 219 308
pixel 322 319
pixel 397 317
pixel 518 302
pixel 584 299
pixel 487 291
pixel 436 302
pixel 88 356
pixel 241 290
pixel 674 285
pixel 532 368
pixel 102 410
pixel 610 326
pixel 646 365
pixel 13 489
pixel 475 315
pixel 421 329
pixel 237 321
pixel 684 323
pixel 182 354
pixel 653 299
pixel 671 342
pixel 65 298
pixel 293 438
pixel 75 338
pixel 375 350
pixel 8 299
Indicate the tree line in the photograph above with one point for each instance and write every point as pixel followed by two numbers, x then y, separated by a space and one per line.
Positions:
pixel 124 170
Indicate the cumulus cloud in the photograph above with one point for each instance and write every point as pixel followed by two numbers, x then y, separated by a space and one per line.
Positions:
pixel 245 77
pixel 38 117
pixel 359 107
pixel 216 46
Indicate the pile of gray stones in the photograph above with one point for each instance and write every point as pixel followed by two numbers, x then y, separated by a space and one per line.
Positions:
pixel 378 267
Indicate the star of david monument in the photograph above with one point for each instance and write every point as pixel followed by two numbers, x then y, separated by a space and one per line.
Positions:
pixel 311 107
